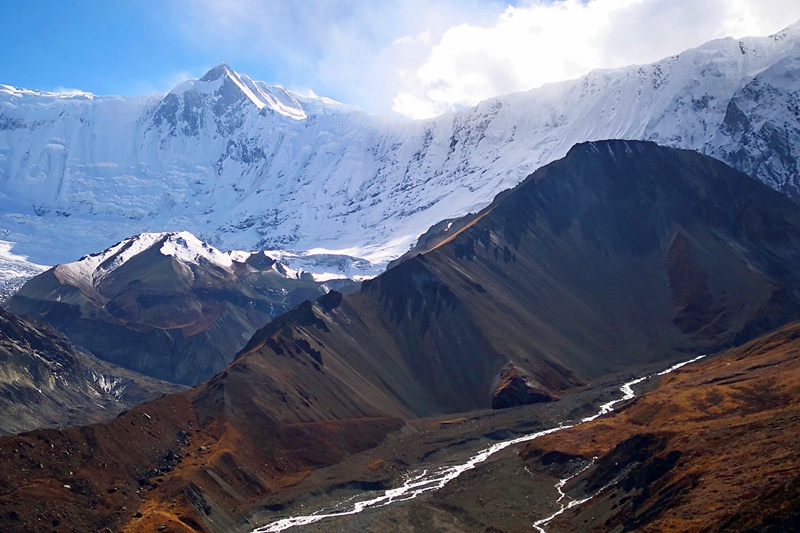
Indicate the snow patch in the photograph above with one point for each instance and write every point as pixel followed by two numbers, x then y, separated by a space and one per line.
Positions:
pixel 189 249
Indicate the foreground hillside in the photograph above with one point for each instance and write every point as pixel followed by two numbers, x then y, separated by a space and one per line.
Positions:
pixel 712 448
pixel 620 257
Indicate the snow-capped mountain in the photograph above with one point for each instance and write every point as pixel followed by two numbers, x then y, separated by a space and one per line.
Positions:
pixel 248 166
pixel 184 247
pixel 166 304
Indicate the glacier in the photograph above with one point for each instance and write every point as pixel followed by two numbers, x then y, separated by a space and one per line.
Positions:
pixel 335 191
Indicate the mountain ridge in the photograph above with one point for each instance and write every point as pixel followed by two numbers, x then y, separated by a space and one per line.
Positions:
pixel 558 254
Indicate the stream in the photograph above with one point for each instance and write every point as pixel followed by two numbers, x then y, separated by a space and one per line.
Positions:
pixel 432 480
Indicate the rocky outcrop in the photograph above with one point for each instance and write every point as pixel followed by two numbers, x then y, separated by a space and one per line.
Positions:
pixel 517 389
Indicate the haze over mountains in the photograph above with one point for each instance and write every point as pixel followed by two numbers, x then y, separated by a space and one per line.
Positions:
pixel 247 166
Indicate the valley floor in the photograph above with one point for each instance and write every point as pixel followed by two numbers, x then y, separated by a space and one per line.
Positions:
pixel 710 448
pixel 500 493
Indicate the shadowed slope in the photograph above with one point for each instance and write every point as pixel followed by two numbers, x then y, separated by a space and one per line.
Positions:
pixel 620 255
pixel 45 382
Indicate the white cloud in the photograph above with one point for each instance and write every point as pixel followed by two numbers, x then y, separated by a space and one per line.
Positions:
pixel 69 91
pixel 424 57
pixel 541 42
pixel 346 49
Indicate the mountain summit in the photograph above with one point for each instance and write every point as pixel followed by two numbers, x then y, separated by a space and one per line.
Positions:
pixel 165 304
pixel 217 72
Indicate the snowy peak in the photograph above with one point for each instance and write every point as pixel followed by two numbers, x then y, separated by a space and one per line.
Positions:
pixel 192 306
pixel 246 165
pixel 16 92
pixel 189 251
pixel 183 246
pixel 90 269
pixel 791 31
pixel 217 72
pixel 187 248
pixel 223 88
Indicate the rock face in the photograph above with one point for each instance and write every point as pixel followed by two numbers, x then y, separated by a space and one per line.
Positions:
pixel 165 305
pixel 248 166
pixel 45 382
pixel 517 389
pixel 587 268
pixel 758 134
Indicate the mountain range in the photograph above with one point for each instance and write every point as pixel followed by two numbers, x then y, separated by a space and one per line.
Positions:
pixel 620 257
pixel 248 166
pixel 358 300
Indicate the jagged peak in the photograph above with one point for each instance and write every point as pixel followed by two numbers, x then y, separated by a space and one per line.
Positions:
pixel 276 98
pixel 217 72
pixel 223 79
pixel 182 246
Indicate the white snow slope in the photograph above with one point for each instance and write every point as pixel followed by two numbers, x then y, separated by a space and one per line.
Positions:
pixel 88 272
pixel 247 166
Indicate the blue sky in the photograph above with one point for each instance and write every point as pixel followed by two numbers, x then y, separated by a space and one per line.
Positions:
pixel 100 46
pixel 148 46
pixel 413 57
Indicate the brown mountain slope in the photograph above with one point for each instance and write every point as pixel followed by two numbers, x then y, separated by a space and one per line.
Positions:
pixel 621 255
pixel 157 464
pixel 714 448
